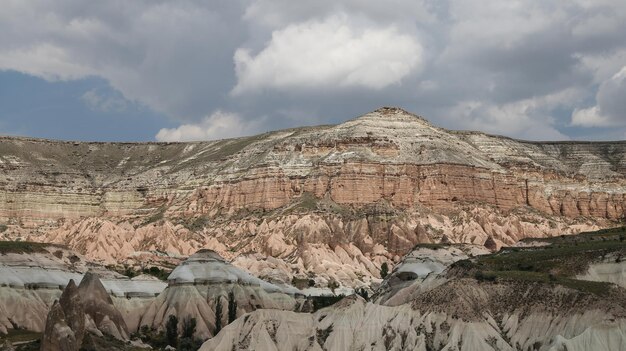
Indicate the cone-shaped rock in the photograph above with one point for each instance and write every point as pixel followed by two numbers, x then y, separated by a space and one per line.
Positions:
pixel 99 308
pixel 491 244
pixel 72 306
pixel 58 336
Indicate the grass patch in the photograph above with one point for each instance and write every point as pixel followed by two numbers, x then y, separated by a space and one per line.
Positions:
pixel 557 263
pixel 21 247
pixel 19 335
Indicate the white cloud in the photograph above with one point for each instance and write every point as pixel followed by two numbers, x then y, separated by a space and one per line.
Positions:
pixel 44 60
pixel 501 60
pixel 528 119
pixel 610 108
pixel 331 53
pixel 219 125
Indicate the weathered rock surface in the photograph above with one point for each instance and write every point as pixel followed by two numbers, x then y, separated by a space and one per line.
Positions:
pixel 30 282
pixel 87 308
pixel 420 269
pixel 354 324
pixel 324 200
pixel 100 312
pixel 196 286
pixel 65 324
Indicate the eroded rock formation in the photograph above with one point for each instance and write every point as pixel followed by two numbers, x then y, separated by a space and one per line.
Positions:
pixel 87 308
pixel 204 282
pixel 358 194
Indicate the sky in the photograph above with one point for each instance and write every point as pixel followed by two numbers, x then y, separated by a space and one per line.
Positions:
pixel 151 70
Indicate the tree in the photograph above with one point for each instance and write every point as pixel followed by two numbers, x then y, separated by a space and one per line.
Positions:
pixel 171 331
pixel 218 315
pixel 232 307
pixel 189 327
pixel 187 342
pixel 384 270
pixel 363 293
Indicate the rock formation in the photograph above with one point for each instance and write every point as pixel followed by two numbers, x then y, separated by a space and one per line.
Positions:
pixel 356 194
pixel 439 298
pixel 65 324
pixel 491 244
pixel 196 286
pixel 100 312
pixel 87 308
pixel 31 280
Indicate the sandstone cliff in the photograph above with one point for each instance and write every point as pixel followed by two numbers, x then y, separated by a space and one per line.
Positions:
pixel 355 194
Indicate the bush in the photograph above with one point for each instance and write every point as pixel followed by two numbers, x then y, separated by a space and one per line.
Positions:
pixel 218 315
pixel 232 307
pixel 384 270
pixel 482 277
pixel 171 331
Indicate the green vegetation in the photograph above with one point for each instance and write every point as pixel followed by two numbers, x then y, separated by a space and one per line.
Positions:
pixel 557 263
pixel 218 315
pixel 160 273
pixel 3 228
pixel 431 246
pixel 20 336
pixel 302 283
pixel 171 331
pixel 21 247
pixel 196 224
pixel 320 302
pixel 232 307
pixel 156 217
pixel 384 270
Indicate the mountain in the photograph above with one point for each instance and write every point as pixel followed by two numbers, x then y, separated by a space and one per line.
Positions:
pixel 327 204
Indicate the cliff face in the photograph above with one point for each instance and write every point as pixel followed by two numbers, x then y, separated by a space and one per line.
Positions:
pixel 381 182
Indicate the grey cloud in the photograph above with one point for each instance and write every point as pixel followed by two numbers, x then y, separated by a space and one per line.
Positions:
pixel 521 68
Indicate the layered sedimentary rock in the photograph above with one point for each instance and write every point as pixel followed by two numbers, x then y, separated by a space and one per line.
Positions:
pixel 361 193
pixel 32 280
pixel 205 283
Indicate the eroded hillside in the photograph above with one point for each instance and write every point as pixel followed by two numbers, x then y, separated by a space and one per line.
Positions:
pixel 328 203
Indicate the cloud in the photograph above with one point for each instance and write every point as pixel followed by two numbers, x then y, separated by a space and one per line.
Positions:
pixel 219 125
pixel 610 108
pixel 173 57
pixel 528 119
pixel 479 64
pixel 98 101
pixel 331 53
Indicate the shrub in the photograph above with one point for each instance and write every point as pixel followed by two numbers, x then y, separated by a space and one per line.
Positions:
pixel 218 315
pixel 171 331
pixel 482 277
pixel 232 307
pixel 384 270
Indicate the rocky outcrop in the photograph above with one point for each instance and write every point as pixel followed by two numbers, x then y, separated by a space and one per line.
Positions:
pixel 100 312
pixel 65 324
pixel 420 270
pixel 31 281
pixel 355 324
pixel 204 283
pixel 359 193
pixel 87 308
